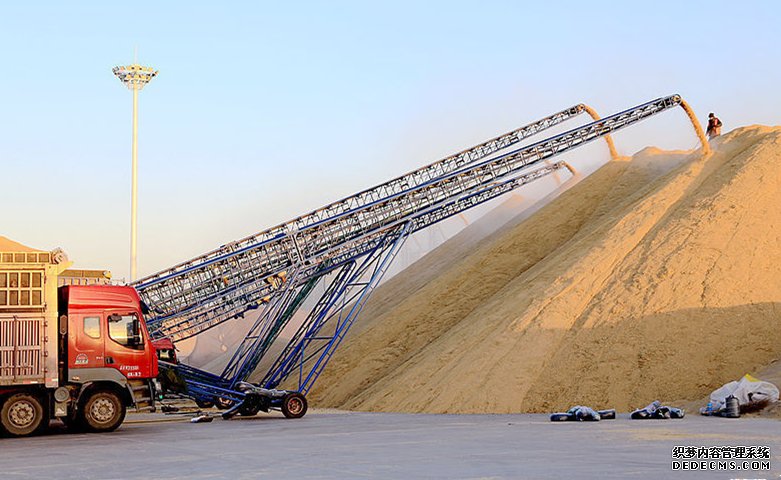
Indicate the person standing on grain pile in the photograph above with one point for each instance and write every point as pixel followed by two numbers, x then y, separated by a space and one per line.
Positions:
pixel 714 126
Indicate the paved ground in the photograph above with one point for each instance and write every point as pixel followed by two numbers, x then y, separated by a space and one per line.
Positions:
pixel 357 445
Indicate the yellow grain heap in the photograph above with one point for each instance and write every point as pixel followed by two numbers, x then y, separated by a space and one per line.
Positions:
pixel 656 277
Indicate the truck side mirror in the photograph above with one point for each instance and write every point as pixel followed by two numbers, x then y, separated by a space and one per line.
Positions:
pixel 135 334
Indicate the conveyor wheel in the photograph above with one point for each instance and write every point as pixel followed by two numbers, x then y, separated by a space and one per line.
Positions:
pixel 223 403
pixel 204 403
pixel 249 412
pixel 294 405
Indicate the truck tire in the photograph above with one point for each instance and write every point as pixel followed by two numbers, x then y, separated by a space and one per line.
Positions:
pixel 22 414
pixel 294 405
pixel 103 411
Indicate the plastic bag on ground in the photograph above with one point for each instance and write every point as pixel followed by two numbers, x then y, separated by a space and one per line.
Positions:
pixel 655 410
pixel 748 390
pixel 577 413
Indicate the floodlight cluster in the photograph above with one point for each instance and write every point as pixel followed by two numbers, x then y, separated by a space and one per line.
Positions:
pixel 135 76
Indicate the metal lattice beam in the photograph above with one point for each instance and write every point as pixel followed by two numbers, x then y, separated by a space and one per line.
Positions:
pixel 219 288
pixel 187 286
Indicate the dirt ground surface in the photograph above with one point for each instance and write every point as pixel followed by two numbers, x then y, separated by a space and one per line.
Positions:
pixel 392 446
pixel 655 277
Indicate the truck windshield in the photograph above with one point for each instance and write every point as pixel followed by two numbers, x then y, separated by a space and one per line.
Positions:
pixel 126 331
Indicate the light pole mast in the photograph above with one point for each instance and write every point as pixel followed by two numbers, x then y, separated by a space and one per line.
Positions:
pixel 135 77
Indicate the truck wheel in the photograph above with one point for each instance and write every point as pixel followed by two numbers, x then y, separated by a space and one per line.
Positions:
pixel 294 405
pixel 22 414
pixel 103 411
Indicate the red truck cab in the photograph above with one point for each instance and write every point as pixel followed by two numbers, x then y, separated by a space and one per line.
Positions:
pixel 106 330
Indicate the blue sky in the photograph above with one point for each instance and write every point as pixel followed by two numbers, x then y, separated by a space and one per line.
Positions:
pixel 265 110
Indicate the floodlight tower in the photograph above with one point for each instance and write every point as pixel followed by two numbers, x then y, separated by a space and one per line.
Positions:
pixel 135 77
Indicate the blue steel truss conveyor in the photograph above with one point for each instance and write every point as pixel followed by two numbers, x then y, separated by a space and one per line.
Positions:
pixel 183 298
pixel 348 245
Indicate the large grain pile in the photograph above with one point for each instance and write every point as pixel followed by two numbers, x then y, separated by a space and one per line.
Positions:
pixel 653 278
pixel 8 245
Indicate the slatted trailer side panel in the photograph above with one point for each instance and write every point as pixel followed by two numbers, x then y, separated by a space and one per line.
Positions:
pixel 22 346
pixel 28 319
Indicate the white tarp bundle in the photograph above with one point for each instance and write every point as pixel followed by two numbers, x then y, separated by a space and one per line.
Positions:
pixel 748 390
